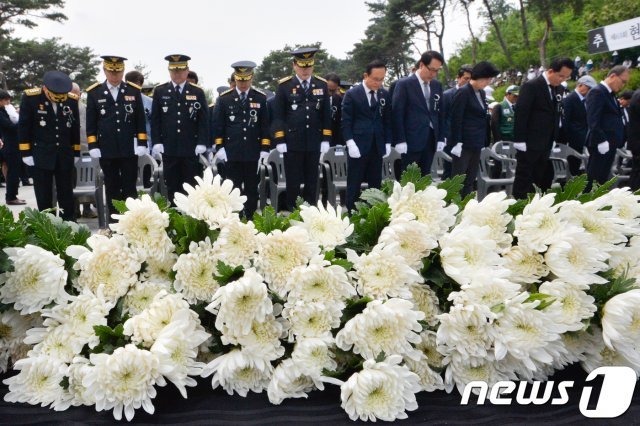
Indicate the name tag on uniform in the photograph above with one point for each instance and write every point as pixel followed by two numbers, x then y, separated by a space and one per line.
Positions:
pixel 101 101
pixel 166 97
pixel 318 92
pixel 129 98
pixel 42 112
pixel 254 105
pixel 191 97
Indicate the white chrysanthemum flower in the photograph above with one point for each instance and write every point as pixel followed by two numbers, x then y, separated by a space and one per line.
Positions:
pixel 145 327
pixel 601 355
pixel 525 265
pixel 465 329
pixel 124 381
pixel 237 242
pixel 195 272
pixel 311 319
pixel 462 370
pixel 469 252
pixel 79 393
pixel 576 258
pixel 539 223
pixel 38 278
pixel 111 264
pixel 525 333
pixel 210 200
pixel 382 273
pixel 158 269
pixel 140 296
pixel 289 380
pixel 388 327
pixel 410 238
pixel 38 382
pixel 621 323
pixel 382 390
pixel 313 355
pixel 13 329
pixel 625 260
pixel 237 372
pixel 320 281
pixel 487 290
pixel 428 346
pixel 239 303
pixel 624 204
pixel 428 206
pixel 429 380
pixel 426 301
pixel 491 212
pixel 144 227
pixel 280 252
pixel 326 226
pixel 571 306
pixel 177 347
pixel 579 345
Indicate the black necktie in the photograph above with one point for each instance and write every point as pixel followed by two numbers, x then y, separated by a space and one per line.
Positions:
pixel 178 90
pixel 373 102
pixel 305 85
pixel 243 97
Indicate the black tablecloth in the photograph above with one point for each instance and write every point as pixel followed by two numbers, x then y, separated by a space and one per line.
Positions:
pixel 206 406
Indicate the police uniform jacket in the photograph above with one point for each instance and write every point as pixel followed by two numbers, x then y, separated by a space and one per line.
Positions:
pixel 113 124
pixel 241 129
pixel 302 120
pixel 181 122
pixel 47 135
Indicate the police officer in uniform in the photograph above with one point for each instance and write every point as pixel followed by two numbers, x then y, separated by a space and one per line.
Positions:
pixel 115 123
pixel 503 114
pixel 179 125
pixel 49 135
pixel 302 125
pixel 240 129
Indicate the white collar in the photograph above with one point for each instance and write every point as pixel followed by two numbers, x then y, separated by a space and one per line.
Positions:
pixel 301 80
pixel 508 103
pixel 366 89
pixel 113 87
pixel 181 86
pixel 579 94
pixel 607 86
pixel 421 80
pixel 239 92
pixel 544 74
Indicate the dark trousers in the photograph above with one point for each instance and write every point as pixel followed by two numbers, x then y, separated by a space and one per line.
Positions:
pixel 467 164
pixel 599 167
pixel 301 167
pixel 446 167
pixel 178 171
pixel 244 176
pixel 531 169
pixel 575 163
pixel 422 158
pixel 120 176
pixel 634 179
pixel 14 169
pixel 43 187
pixel 367 167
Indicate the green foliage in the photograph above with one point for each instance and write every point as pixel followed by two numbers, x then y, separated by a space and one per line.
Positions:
pixel 413 175
pixel 340 261
pixel 453 186
pixel 546 300
pixel 373 196
pixel 571 189
pixel 269 220
pixel 121 206
pixel 368 222
pixel 603 292
pixel 110 338
pixel 52 233
pixel 227 274
pixel 186 229
pixel 353 308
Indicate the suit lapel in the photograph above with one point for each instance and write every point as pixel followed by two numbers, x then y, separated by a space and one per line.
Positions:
pixel 417 83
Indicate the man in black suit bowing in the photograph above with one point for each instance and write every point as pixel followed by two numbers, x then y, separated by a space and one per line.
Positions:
pixel 606 128
pixel 537 121
pixel 366 126
pixel 574 119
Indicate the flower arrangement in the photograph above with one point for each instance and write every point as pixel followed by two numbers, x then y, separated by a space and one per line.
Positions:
pixel 418 290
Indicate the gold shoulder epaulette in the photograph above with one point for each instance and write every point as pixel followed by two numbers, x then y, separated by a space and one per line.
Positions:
pixel 283 80
pixel 134 85
pixel 342 91
pixel 320 78
pixel 93 86
pixel 73 96
pixel 212 104
pixel 195 85
pixel 226 92
pixel 33 91
pixel 259 91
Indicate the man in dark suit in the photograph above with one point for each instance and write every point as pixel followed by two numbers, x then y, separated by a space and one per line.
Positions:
pixel 606 128
pixel 240 128
pixel 302 125
pixel 463 77
pixel 115 123
pixel 470 124
pixel 574 119
pixel 624 99
pixel 418 113
pixel 49 135
pixel 9 149
pixel 537 120
pixel 335 102
pixel 633 140
pixel 366 125
pixel 179 125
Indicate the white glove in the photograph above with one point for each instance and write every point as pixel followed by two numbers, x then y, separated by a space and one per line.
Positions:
pixel 263 156
pixel 200 149
pixel 387 149
pixel 440 146
pixel 603 147
pixel 520 146
pixel 157 149
pixel 401 148
pixel 282 148
pixel 324 147
pixel 28 161
pixel 141 150
pixel 13 114
pixel 222 154
pixel 354 152
pixel 211 157
pixel 95 153
pixel 457 150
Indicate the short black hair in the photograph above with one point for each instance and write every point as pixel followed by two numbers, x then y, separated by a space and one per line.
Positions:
pixel 135 77
pixel 193 76
pixel 232 78
pixel 332 76
pixel 559 63
pixel 429 55
pixel 626 95
pixel 484 69
pixel 4 95
pixel 466 68
pixel 376 63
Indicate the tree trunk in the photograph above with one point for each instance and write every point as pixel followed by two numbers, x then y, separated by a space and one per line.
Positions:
pixel 545 37
pixel 498 33
pixel 440 36
pixel 525 28
pixel 474 40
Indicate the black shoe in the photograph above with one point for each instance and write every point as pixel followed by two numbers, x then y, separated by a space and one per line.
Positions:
pixel 26 183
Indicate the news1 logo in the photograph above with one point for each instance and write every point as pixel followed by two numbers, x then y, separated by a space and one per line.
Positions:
pixel 613 399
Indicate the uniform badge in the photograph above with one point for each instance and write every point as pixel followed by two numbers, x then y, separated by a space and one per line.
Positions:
pixel 106 93
pixel 68 124
pixel 232 117
pixel 103 112
pixel 165 108
pixel 509 119
pixel 294 107
pixel 43 123
pixel 129 98
pixel 41 106
pixel 101 101
pixel 191 97
pixel 254 105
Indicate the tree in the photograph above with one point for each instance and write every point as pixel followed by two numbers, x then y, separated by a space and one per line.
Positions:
pixel 525 27
pixel 23 12
pixel 474 40
pixel 492 14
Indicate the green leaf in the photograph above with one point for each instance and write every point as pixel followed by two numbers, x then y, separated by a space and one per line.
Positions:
pixel 414 175
pixel 227 273
pixel 268 221
pixel 373 196
pixel 546 300
pixel 387 187
pixel 453 186
pixel 598 190
pixel 163 204
pixel 368 223
pixel 517 208
pixel 571 190
pixel 353 308
pixel 121 206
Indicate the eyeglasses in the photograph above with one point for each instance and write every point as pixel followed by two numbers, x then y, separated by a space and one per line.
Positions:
pixel 434 70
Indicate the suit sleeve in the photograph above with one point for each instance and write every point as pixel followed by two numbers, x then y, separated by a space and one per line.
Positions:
pixel 278 115
pixel 156 126
pixel 446 105
pixel 568 121
pixel 460 100
pixel 347 117
pixel 442 118
pixel 633 141
pixel 523 112
pixel 496 115
pixel 75 129
pixel 595 103
pixel 25 128
pixel 327 133
pixel 386 122
pixel 141 121
pixel 92 122
pixel 265 139
pixel 203 121
pixel 217 124
pixel 399 106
